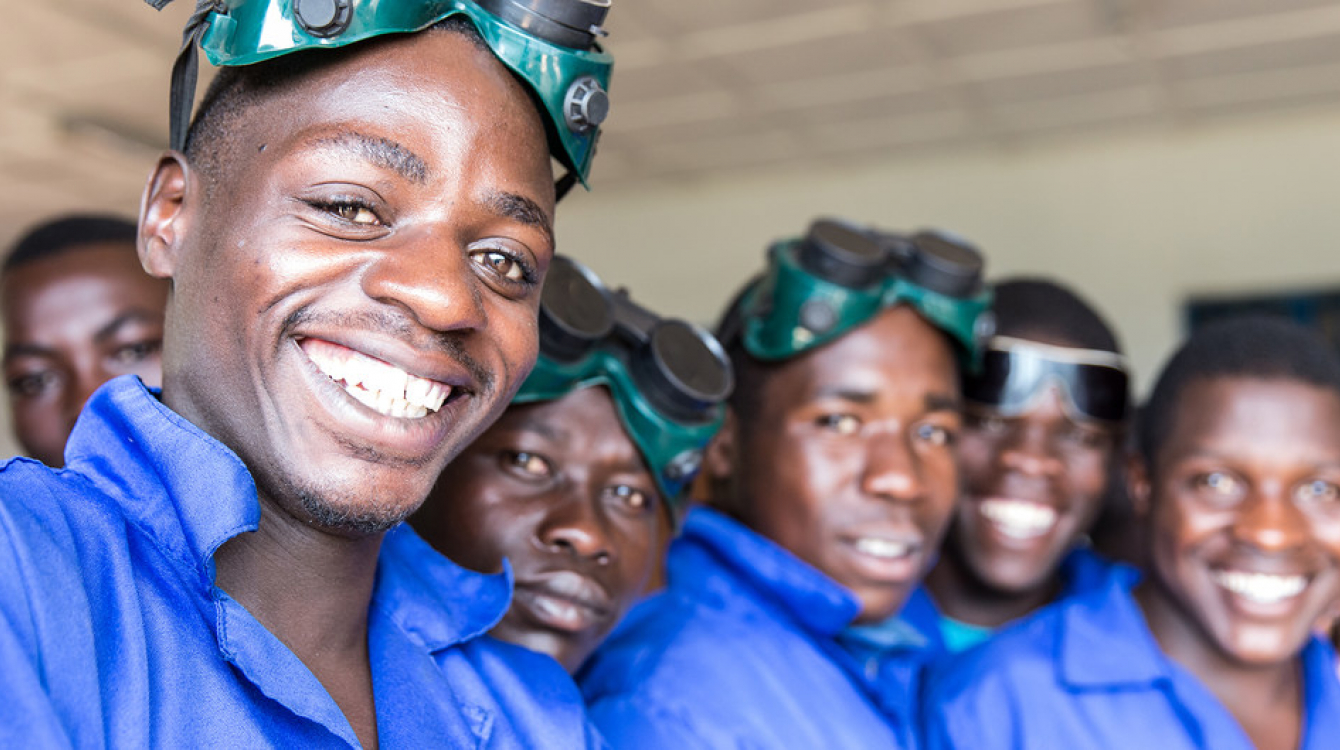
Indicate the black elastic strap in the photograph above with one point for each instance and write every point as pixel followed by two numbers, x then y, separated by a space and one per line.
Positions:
pixel 185 71
pixel 564 184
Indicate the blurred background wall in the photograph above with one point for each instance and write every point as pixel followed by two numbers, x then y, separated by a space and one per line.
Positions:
pixel 1141 150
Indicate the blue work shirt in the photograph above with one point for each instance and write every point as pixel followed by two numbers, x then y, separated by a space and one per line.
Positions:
pixel 113 634
pixel 1087 674
pixel 1082 570
pixel 751 647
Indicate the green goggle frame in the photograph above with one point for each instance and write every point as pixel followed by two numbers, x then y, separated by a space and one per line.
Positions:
pixel 570 83
pixel 673 449
pixel 791 310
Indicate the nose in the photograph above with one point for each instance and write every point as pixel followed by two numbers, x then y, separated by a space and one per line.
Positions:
pixel 892 469
pixel 576 527
pixel 1026 451
pixel 1269 521
pixel 431 276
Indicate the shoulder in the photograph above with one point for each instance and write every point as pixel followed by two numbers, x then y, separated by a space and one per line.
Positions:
pixel 665 640
pixel 534 701
pixel 974 699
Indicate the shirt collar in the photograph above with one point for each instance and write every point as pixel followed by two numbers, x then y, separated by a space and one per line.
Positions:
pixel 181 486
pixel 813 599
pixel 1105 641
pixel 1321 691
pixel 433 599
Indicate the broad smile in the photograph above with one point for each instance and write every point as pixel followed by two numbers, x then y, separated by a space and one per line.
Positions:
pixel 1260 588
pixel 565 601
pixel 887 556
pixel 1017 518
pixel 376 384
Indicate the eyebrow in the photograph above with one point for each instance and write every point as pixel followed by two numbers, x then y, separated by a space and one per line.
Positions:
pixel 13 351
pixel 522 209
pixel 122 320
pixel 932 402
pixel 383 152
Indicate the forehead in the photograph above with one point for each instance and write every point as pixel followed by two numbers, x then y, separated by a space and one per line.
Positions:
pixel 896 349
pixel 68 278
pixel 1269 420
pixel 427 91
pixel 582 416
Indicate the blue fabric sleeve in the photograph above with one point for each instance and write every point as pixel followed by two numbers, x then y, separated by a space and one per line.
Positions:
pixel 635 723
pixel 27 716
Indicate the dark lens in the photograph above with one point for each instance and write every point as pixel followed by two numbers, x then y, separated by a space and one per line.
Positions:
pixel 680 372
pixel 990 383
pixel 574 311
pixel 1100 392
pixel 567 23
pixel 943 265
pixel 843 255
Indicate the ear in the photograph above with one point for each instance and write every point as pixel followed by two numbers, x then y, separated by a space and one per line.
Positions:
pixel 165 214
pixel 1137 486
pixel 719 459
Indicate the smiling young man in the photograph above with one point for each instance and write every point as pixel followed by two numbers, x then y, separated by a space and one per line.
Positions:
pixel 585 474
pixel 1044 419
pixel 1238 483
pixel 355 239
pixel 78 311
pixel 834 479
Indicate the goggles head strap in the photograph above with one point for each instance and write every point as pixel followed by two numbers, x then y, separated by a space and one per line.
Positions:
pixel 186 68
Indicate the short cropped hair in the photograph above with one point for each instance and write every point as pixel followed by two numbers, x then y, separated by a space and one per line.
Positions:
pixel 1028 307
pixel 1255 347
pixel 64 233
pixel 237 89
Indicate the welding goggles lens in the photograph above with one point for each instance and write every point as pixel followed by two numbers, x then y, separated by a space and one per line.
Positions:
pixel 1014 373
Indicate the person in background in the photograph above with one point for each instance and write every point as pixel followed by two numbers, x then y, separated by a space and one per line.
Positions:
pixel 587 471
pixel 1238 486
pixel 78 310
pixel 1043 420
pixel 789 618
pixel 356 226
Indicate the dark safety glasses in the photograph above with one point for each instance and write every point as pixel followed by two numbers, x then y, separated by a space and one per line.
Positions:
pixel 670 379
pixel 838 276
pixel 550 44
pixel 1015 373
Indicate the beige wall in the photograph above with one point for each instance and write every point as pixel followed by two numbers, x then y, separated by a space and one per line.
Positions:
pixel 1135 221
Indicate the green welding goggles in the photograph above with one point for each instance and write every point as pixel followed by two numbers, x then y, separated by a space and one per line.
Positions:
pixel 839 275
pixel 669 379
pixel 550 44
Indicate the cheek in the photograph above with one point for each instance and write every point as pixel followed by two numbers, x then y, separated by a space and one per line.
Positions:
pixel 1086 475
pixel 976 454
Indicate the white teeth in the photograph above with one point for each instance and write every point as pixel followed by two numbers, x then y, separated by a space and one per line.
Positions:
pixel 884 548
pixel 1018 519
pixel 376 384
pixel 1262 588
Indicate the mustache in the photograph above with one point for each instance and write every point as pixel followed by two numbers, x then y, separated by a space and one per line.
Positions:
pixel 397 326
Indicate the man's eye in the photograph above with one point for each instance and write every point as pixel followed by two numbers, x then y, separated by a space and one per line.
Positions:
pixel 992 423
pixel 1318 491
pixel 531 464
pixel 1086 437
pixel 33 384
pixel 936 435
pixel 503 265
pixel 351 211
pixel 132 354
pixel 1219 485
pixel 842 424
pixel 632 498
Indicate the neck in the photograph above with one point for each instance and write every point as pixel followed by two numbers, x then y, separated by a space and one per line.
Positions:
pixel 1242 688
pixel 310 588
pixel 962 596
